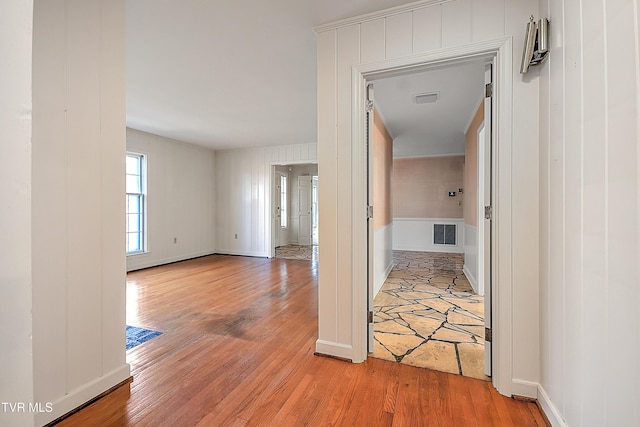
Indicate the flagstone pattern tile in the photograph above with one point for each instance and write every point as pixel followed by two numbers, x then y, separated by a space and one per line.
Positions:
pixel 427 315
pixel 307 253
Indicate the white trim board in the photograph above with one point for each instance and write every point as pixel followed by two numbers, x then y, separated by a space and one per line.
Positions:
pixel 334 349
pixel 471 278
pixel 549 409
pixel 379 14
pixel 83 394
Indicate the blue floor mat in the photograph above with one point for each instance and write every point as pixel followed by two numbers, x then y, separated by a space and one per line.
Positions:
pixel 136 336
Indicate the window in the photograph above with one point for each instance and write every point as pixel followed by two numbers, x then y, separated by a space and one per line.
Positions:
pixel 135 203
pixel 283 201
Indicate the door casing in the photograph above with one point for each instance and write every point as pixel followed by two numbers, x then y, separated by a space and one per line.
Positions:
pixel 499 51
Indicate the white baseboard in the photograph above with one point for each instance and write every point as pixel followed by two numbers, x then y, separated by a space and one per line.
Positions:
pixel 144 263
pixel 524 388
pixel 550 410
pixel 383 278
pixel 470 277
pixel 334 349
pixel 82 395
pixel 412 248
pixel 242 253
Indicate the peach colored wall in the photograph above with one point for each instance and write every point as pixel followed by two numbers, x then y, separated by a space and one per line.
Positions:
pixel 382 167
pixel 470 195
pixel 421 187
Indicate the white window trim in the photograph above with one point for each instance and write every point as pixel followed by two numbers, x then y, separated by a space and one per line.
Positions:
pixel 143 185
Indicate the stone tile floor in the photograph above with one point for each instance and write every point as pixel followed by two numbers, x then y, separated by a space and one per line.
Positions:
pixel 427 315
pixel 309 253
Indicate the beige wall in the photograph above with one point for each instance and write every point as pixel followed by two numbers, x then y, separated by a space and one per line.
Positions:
pixel 421 187
pixel 470 195
pixel 382 170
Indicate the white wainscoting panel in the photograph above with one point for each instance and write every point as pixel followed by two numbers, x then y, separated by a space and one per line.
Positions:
pixel 416 234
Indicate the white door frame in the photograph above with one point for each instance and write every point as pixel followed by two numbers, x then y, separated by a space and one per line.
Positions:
pixel 272 176
pixel 275 202
pixel 308 230
pixel 500 52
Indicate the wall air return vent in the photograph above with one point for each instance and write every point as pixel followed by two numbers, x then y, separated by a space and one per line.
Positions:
pixel 444 234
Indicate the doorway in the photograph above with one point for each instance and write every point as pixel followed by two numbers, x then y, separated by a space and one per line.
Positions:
pixel 294 211
pixel 433 312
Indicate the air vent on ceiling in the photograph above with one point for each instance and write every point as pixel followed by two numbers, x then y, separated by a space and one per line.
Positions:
pixel 426 98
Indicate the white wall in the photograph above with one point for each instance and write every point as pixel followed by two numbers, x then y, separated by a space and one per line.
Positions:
pixel 243 195
pixel 394 37
pixel 78 201
pixel 180 199
pixel 16 377
pixel 589 214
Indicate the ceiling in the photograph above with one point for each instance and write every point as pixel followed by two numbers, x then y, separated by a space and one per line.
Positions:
pixel 435 128
pixel 228 74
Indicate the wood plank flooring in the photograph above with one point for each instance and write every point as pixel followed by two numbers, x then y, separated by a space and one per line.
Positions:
pixel 237 349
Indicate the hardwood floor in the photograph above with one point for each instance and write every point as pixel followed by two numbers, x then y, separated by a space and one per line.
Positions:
pixel 238 349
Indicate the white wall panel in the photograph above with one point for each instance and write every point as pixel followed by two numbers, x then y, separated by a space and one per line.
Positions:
pixel 427 29
pixel 16 375
pixel 112 144
pixel 180 199
pixel 83 177
pixel 556 250
pixel 78 223
pixel 456 23
pixel 373 40
pixel 49 195
pixel 487 19
pixel 573 207
pixel 524 201
pixel 622 145
pixel 591 223
pixel 399 35
pixel 348 54
pixel 243 196
pixel 328 188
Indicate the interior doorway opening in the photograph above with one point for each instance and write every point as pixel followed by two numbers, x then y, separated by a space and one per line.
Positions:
pixel 428 306
pixel 294 208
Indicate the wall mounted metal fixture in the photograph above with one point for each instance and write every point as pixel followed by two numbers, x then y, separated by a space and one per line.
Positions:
pixel 536 44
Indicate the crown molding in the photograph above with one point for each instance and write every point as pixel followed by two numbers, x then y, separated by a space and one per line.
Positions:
pixel 379 14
